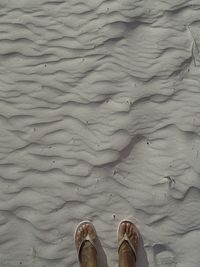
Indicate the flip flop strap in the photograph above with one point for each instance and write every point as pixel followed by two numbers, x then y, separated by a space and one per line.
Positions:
pixel 126 239
pixel 87 238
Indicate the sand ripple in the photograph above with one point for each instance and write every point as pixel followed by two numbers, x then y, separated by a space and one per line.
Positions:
pixel 99 111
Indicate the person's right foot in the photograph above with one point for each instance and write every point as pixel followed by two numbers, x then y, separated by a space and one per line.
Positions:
pixel 127 256
pixel 87 254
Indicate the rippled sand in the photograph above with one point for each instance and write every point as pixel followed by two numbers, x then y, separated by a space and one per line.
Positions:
pixel 100 120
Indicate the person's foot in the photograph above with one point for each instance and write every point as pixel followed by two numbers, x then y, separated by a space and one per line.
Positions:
pixel 86 249
pixel 128 249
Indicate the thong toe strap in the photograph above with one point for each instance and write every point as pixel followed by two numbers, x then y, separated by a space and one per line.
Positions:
pixel 126 239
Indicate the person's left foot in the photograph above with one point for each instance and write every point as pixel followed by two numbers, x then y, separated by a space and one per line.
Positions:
pixel 87 254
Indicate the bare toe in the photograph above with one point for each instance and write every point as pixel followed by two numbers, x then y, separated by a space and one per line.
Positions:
pixel 78 237
pixel 85 232
pixel 91 231
pixel 128 231
pixel 122 230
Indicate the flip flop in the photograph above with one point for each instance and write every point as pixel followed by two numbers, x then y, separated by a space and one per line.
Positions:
pixel 126 238
pixel 87 238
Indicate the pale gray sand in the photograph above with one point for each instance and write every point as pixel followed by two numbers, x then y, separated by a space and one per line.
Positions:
pixel 100 120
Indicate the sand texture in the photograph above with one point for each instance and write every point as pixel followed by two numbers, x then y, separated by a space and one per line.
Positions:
pixel 99 120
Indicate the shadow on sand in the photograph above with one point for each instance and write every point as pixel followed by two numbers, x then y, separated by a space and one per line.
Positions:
pixel 141 255
pixel 101 256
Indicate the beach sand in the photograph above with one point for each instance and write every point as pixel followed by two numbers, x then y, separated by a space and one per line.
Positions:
pixel 100 120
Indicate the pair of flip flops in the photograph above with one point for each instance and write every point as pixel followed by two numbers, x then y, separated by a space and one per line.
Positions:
pixel 125 238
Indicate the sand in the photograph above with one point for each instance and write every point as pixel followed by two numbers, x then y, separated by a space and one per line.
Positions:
pixel 100 120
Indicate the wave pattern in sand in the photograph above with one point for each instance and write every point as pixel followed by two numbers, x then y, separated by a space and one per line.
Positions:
pixel 99 113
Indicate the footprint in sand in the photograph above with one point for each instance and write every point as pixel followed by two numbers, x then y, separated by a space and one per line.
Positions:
pixel 165 259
